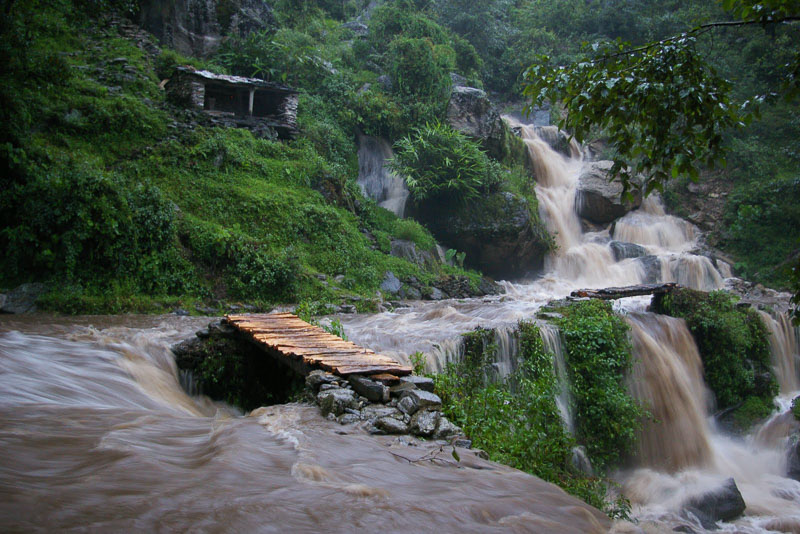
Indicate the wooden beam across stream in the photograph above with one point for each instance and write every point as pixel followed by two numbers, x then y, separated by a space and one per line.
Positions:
pixel 306 347
pixel 611 293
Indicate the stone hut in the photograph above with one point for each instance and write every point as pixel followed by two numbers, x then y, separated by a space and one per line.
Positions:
pixel 243 102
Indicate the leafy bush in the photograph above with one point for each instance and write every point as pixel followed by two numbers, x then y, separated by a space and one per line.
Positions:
pixel 733 343
pixel 420 69
pixel 440 163
pixel 393 20
pixel 260 275
pixel 598 355
pixel 411 230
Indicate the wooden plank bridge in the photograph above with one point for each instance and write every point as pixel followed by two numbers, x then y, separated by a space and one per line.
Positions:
pixel 306 347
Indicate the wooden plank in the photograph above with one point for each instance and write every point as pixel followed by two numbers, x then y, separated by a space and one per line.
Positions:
pixel 289 337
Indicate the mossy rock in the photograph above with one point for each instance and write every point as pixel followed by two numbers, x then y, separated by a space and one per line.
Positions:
pixel 496 232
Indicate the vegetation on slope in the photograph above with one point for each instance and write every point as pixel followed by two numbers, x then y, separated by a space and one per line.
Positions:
pixel 130 204
pixel 516 420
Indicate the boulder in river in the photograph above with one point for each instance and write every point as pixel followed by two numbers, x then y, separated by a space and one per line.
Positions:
pixel 624 251
pixel 600 200
pixel 722 504
pixel 391 284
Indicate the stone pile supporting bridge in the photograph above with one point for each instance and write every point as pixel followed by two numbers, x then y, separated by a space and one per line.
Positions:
pixel 305 347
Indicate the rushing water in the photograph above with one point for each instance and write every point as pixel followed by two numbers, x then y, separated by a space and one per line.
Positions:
pixel 98 435
pixel 680 453
pixel 374 177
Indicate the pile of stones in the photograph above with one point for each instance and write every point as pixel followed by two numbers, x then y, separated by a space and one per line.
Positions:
pixel 407 406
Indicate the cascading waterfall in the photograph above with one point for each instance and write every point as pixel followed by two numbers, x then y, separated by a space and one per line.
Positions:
pixel 783 343
pixel 374 177
pixel 668 378
pixel 551 337
pixel 681 452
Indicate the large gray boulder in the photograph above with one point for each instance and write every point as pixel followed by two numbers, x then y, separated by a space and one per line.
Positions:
pixel 652 269
pixel 722 504
pixel 390 283
pixel 471 112
pixel 22 299
pixel 408 250
pixel 557 139
pixel 495 231
pixel 599 200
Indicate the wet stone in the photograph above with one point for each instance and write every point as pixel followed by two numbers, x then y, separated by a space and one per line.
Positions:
pixel 336 400
pixel 390 425
pixel 316 378
pixel 348 419
pixel 376 412
pixel 445 429
pixel 423 399
pixel 420 382
pixel 326 387
pixel 463 443
pixel 408 405
pixel 424 423
pixel 722 504
pixel 398 389
pixel 373 391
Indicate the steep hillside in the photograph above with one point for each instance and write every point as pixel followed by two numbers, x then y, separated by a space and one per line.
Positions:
pixel 121 201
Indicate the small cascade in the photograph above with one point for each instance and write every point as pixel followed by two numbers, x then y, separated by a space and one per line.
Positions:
pixel 668 378
pixel 784 350
pixel 650 226
pixel 692 271
pixel 374 177
pixel 506 359
pixel 551 337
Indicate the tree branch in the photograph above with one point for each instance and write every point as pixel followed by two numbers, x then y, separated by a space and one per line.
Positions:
pixel 698 30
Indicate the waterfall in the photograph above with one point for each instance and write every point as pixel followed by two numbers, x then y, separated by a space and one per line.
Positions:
pixel 783 346
pixel 551 337
pixel 651 226
pixel 667 378
pixel 374 177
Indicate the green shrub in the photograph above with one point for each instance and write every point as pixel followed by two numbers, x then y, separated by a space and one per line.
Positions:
pixel 440 163
pixel 393 20
pixel 411 230
pixel 420 69
pixel 763 219
pixel 733 343
pixel 598 355
pixel 260 275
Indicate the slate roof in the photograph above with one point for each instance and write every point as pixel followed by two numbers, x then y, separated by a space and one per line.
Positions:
pixel 235 80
